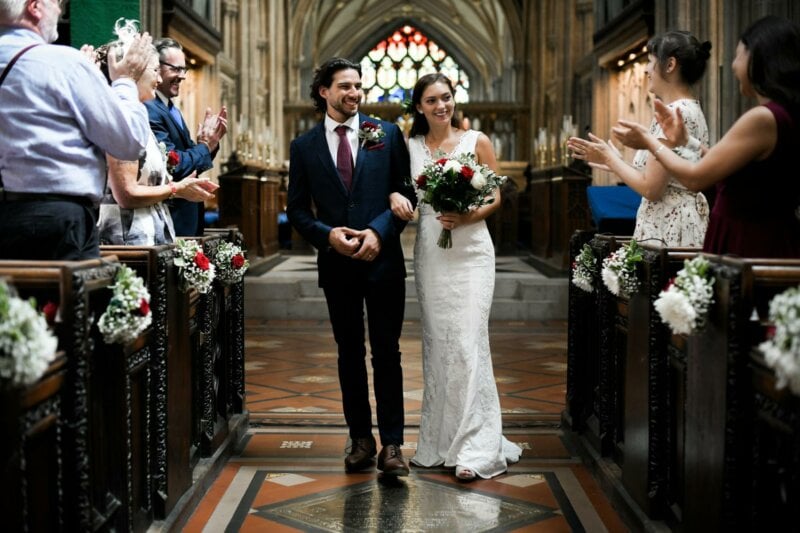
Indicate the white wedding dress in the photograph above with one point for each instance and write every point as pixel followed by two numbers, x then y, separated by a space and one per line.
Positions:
pixel 461 423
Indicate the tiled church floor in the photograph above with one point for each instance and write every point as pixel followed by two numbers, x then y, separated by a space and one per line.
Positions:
pixel 289 476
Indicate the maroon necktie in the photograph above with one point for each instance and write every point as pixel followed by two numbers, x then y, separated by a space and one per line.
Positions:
pixel 344 157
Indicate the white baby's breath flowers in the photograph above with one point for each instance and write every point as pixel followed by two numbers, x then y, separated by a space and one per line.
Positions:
pixel 619 270
pixel 683 305
pixel 584 269
pixel 782 350
pixel 27 346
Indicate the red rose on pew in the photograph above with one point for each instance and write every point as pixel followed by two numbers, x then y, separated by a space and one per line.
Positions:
pixel 144 307
pixel 770 332
pixel 49 310
pixel 201 261
pixel 237 261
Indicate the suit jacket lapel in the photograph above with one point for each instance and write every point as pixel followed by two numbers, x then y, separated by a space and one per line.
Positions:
pixel 362 154
pixel 320 145
pixel 182 131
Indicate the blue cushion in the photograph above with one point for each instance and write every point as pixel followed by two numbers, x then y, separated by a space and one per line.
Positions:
pixel 617 202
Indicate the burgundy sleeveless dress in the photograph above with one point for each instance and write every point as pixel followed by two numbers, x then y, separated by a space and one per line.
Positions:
pixel 756 209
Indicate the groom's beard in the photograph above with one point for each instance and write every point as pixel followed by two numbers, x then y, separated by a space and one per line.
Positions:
pixel 345 109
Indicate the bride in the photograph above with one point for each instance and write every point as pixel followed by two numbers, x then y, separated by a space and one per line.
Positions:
pixel 460 425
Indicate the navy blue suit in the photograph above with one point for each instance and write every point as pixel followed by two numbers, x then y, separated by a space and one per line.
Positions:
pixel 187 216
pixel 319 201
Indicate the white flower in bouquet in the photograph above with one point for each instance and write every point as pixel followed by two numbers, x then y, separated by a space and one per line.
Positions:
pixel 27 346
pixel 584 269
pixel 128 312
pixel 619 270
pixel 230 263
pixel 478 180
pixel 452 166
pixel 194 268
pixel 683 305
pixel 782 349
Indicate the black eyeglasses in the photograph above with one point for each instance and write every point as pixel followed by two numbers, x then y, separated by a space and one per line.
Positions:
pixel 174 68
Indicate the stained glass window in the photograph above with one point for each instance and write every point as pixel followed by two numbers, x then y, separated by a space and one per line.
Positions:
pixel 390 70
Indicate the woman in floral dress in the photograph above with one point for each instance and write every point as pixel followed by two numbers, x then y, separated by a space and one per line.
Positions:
pixel 132 212
pixel 669 213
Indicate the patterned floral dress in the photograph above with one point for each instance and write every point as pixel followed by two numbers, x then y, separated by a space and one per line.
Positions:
pixel 143 226
pixel 680 217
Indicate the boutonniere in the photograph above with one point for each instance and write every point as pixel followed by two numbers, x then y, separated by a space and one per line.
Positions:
pixel 171 157
pixel 371 134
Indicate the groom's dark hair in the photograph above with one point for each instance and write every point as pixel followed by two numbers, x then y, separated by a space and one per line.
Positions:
pixel 323 77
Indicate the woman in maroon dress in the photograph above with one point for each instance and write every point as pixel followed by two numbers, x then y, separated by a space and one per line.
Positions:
pixel 754 166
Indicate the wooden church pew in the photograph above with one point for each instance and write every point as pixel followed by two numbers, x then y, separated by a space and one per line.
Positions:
pixel 99 487
pixel 730 421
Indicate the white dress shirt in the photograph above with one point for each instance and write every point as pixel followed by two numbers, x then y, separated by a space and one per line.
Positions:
pixel 333 137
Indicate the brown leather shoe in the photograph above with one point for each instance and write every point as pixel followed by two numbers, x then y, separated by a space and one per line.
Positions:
pixel 361 453
pixel 391 461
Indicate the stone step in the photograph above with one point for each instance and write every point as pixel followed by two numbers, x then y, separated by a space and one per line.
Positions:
pixel 517 296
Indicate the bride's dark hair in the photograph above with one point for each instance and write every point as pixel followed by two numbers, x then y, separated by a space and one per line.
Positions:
pixel 420 126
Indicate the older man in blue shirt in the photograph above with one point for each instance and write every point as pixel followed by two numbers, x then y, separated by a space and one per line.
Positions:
pixel 59 118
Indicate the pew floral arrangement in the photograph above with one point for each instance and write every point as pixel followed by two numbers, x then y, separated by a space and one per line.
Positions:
pixel 619 270
pixel 684 304
pixel 27 346
pixel 782 348
pixel 456 185
pixel 584 269
pixel 128 312
pixel 194 268
pixel 230 262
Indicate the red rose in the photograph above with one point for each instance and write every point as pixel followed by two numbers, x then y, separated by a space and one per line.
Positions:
pixel 669 284
pixel 770 332
pixel 49 310
pixel 144 307
pixel 369 126
pixel 442 161
pixel 467 173
pixel 422 181
pixel 237 261
pixel 201 261
pixel 173 158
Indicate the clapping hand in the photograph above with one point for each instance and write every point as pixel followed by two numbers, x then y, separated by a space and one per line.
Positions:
pixel 196 189
pixel 213 128
pixel 594 151
pixel 671 122
pixel 134 62
pixel 88 51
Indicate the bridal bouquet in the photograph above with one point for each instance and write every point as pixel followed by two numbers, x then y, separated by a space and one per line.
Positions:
pixel 457 184
pixel 230 263
pixel 584 269
pixel 684 304
pixel 194 268
pixel 619 270
pixel 782 349
pixel 26 344
pixel 128 312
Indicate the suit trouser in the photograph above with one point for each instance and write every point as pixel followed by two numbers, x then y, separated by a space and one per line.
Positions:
pixel 48 229
pixel 385 302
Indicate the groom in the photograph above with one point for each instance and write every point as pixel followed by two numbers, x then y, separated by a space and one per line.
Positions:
pixel 348 180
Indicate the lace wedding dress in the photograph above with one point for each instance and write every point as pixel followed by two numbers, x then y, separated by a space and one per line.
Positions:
pixel 460 422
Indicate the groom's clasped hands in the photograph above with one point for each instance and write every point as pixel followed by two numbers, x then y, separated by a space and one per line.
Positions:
pixel 363 245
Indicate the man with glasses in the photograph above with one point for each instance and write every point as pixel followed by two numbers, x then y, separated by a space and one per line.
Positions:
pixel 170 128
pixel 59 118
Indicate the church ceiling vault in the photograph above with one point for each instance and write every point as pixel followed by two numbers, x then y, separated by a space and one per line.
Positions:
pixel 483 36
